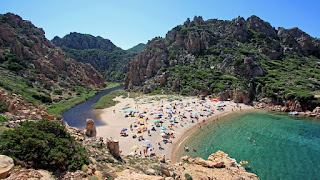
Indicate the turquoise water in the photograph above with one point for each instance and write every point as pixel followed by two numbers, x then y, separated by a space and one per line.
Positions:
pixel 276 146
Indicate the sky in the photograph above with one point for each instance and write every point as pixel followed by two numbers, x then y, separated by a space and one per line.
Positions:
pixel 130 22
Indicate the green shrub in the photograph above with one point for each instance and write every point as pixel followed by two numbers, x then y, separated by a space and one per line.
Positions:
pixel 187 176
pixel 58 91
pixel 2 119
pixel 45 145
pixel 43 98
pixel 3 107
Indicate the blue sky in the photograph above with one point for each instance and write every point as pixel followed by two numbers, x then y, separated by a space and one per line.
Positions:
pixel 129 22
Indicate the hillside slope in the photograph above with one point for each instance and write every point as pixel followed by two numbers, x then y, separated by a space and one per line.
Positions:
pixel 239 59
pixel 34 68
pixel 111 61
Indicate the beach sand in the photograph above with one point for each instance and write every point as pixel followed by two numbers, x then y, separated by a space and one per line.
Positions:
pixel 114 120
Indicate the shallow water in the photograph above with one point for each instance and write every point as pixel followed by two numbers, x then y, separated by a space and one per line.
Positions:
pixel 76 116
pixel 276 146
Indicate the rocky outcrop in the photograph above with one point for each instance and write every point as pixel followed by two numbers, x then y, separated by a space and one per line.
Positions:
pixel 40 60
pixel 29 174
pixel 127 174
pixel 113 146
pixel 90 128
pixel 102 54
pixel 19 109
pixel 236 95
pixel 80 41
pixel 216 56
pixel 218 166
pixel 6 164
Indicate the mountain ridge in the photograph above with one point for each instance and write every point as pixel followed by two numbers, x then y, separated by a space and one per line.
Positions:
pixel 111 61
pixel 217 56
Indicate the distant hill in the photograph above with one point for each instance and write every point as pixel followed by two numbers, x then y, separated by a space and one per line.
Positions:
pixel 240 59
pixel 111 61
pixel 28 58
pixel 138 48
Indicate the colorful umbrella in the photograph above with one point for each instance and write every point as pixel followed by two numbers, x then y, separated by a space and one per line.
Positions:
pixel 163 128
pixel 156 121
pixel 124 129
pixel 162 134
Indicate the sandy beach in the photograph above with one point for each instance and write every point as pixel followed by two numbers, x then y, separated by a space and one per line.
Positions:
pixel 181 116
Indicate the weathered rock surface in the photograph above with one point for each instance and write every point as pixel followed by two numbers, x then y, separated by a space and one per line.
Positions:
pixel 19 109
pixel 44 62
pixel 127 174
pixel 6 163
pixel 218 166
pixel 30 174
pixel 90 128
pixel 113 146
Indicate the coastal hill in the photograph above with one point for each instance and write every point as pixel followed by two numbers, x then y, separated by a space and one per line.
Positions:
pixel 241 59
pixel 33 70
pixel 111 61
pixel 138 48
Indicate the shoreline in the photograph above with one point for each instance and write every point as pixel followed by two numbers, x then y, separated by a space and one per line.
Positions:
pixel 192 130
pixel 113 120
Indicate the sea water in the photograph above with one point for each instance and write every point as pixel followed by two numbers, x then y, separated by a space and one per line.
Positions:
pixel 277 146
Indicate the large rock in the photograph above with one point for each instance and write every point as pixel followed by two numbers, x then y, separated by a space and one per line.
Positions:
pixel 113 146
pixel 90 128
pixel 31 174
pixel 127 174
pixel 6 163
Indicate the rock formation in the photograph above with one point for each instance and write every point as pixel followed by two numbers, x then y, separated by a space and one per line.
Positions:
pixel 19 109
pixel 218 166
pixel 26 54
pixel 6 163
pixel 240 57
pixel 113 146
pixel 90 128
pixel 102 54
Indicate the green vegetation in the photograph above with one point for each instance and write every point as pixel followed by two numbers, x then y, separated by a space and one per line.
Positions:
pixel 138 48
pixel 188 176
pixel 45 145
pixel 2 119
pixel 107 100
pixel 3 107
pixel 66 104
pixel 112 85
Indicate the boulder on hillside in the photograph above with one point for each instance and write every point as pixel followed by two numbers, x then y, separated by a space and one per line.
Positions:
pixel 90 128
pixel 113 146
pixel 6 163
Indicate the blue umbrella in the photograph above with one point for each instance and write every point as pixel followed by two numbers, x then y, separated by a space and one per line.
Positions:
pixel 124 129
pixel 125 111
pixel 163 128
pixel 131 111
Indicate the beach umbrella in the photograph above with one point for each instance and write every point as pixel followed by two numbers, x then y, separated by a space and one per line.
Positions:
pixel 131 154
pixel 162 134
pixel 143 126
pixel 170 120
pixel 124 129
pixel 131 111
pixel 156 121
pixel 163 128
pixel 140 119
pixel 195 113
pixel 134 148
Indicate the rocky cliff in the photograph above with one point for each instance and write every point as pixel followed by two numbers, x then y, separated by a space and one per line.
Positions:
pixel 111 61
pixel 36 71
pixel 247 56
